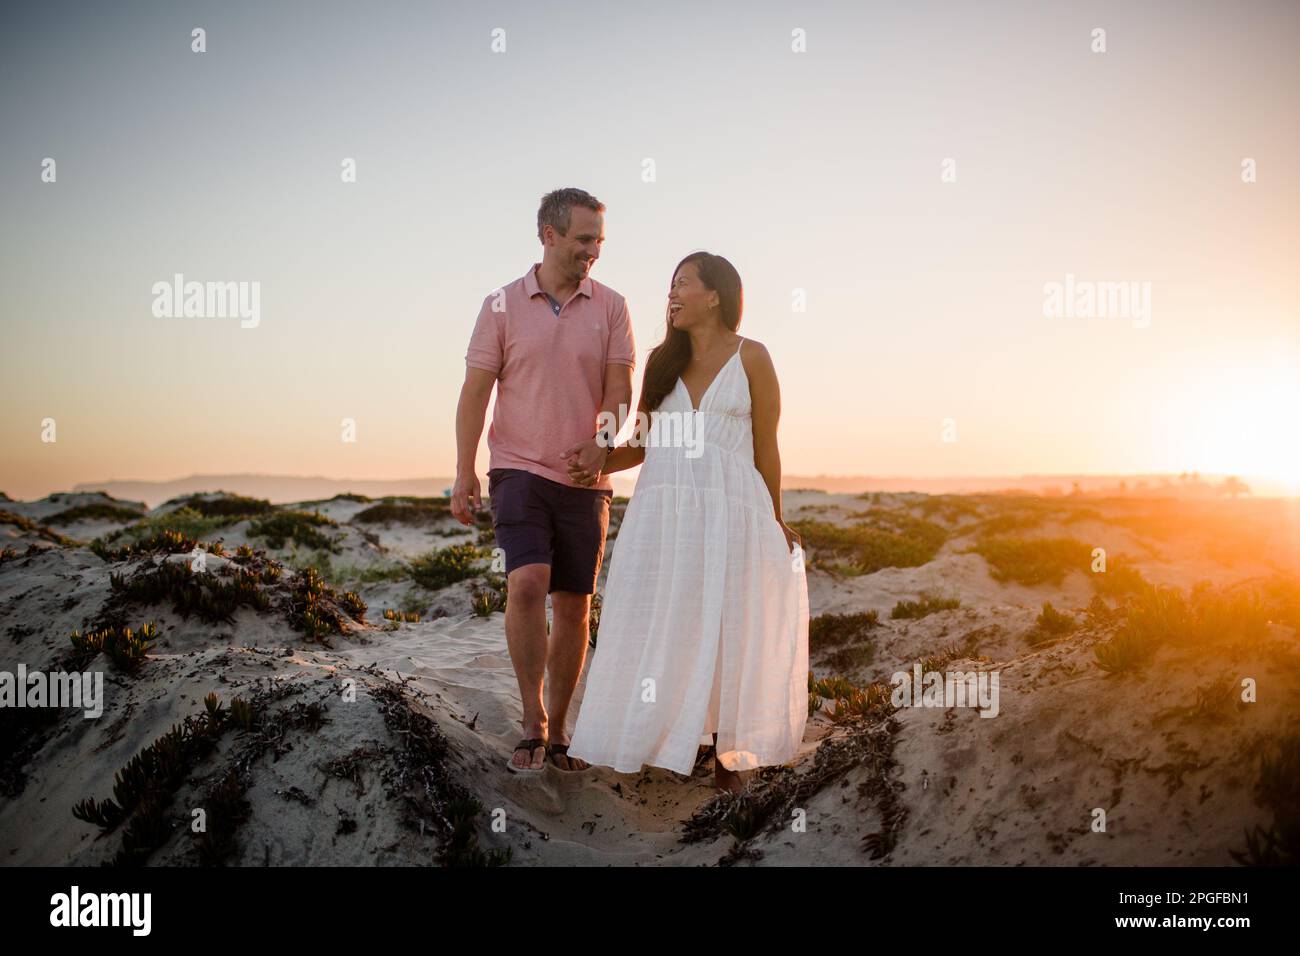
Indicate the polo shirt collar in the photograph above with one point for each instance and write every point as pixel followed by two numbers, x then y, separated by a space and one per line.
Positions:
pixel 531 288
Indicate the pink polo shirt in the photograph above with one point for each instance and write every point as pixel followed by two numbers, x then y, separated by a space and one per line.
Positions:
pixel 550 370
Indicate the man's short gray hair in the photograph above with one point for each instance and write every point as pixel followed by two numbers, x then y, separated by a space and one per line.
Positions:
pixel 555 207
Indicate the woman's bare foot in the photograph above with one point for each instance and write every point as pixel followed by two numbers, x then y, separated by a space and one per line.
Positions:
pixel 724 779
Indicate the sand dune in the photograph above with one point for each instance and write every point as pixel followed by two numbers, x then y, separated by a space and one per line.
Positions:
pixel 411 770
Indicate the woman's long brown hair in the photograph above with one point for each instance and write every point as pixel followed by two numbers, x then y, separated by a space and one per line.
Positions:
pixel 670 357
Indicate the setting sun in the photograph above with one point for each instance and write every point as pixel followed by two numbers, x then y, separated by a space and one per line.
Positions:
pixel 1245 424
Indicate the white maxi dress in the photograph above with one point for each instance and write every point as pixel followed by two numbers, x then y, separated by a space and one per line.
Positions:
pixel 704 621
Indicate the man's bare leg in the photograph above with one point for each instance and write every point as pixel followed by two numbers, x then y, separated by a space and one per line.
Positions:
pixel 526 638
pixel 569 635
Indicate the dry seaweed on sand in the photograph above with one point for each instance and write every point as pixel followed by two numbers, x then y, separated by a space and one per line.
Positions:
pixel 420 772
pixel 769 799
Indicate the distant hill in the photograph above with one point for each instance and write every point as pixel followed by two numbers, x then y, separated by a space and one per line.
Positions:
pixel 1193 484
pixel 285 488
pixel 277 489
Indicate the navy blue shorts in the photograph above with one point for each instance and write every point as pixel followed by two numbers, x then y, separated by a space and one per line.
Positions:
pixel 540 521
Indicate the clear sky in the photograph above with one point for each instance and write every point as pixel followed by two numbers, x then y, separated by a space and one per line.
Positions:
pixel 820 171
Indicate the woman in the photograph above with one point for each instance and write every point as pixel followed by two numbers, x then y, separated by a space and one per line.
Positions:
pixel 704 623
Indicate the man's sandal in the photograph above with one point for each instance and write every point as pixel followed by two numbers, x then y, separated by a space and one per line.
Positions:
pixel 529 744
pixel 563 751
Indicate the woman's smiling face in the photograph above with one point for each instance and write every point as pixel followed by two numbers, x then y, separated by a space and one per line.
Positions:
pixel 689 300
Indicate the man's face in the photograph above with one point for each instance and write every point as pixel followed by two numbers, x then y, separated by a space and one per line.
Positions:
pixel 578 251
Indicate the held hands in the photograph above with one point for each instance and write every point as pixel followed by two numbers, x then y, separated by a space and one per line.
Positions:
pixel 463 491
pixel 585 460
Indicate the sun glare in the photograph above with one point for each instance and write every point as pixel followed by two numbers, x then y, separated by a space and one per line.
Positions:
pixel 1249 424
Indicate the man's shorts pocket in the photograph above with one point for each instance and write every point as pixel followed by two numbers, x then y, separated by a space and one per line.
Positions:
pixel 506 491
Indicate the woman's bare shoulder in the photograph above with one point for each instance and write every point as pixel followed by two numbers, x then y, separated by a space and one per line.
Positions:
pixel 754 356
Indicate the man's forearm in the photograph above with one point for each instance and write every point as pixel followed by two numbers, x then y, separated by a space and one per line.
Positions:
pixel 613 408
pixel 471 411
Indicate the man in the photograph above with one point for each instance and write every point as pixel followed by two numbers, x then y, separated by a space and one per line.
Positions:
pixel 559 348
